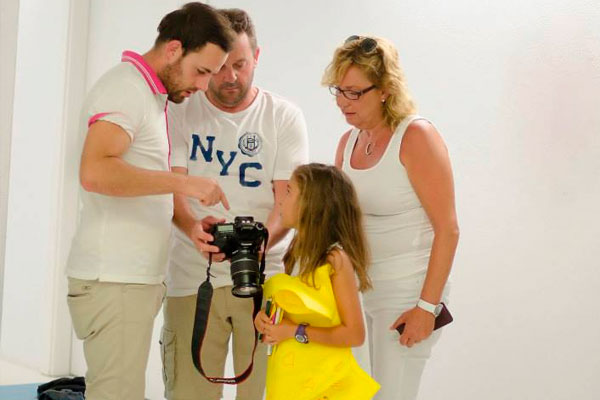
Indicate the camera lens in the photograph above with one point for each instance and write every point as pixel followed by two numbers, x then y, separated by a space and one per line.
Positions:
pixel 244 291
pixel 245 273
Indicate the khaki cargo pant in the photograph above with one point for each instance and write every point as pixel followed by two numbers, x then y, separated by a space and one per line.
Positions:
pixel 229 316
pixel 115 322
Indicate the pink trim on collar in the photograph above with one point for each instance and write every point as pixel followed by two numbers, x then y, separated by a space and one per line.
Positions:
pixel 147 72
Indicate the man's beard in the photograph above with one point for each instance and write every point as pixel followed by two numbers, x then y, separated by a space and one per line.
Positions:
pixel 170 77
pixel 230 100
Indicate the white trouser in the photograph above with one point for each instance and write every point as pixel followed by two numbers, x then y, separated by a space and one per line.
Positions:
pixel 397 368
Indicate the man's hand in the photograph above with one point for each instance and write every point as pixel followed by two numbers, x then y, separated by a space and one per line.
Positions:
pixel 207 190
pixel 200 237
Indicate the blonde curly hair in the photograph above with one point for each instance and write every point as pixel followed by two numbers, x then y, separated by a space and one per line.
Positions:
pixel 381 67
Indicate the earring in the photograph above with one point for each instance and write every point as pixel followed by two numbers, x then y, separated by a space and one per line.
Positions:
pixel 383 100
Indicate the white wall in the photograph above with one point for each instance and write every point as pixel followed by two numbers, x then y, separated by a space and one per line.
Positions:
pixel 31 224
pixel 36 329
pixel 9 17
pixel 513 86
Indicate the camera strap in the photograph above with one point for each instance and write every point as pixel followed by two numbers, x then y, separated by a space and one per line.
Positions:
pixel 203 301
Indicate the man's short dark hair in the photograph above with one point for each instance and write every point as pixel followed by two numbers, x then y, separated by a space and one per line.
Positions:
pixel 241 23
pixel 194 25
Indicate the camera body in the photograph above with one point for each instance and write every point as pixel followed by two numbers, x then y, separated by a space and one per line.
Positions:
pixel 241 241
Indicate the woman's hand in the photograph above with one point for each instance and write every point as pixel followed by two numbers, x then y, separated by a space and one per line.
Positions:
pixel 418 326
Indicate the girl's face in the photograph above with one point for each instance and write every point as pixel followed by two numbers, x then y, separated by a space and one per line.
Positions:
pixel 289 205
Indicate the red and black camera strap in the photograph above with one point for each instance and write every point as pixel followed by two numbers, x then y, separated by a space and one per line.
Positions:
pixel 203 301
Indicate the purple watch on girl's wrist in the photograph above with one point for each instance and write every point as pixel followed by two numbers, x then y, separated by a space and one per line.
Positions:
pixel 300 334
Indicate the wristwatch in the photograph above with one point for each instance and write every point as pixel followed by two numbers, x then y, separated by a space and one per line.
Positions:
pixel 300 334
pixel 432 308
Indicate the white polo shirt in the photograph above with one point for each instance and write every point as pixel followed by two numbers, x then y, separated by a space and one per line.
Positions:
pixel 245 152
pixel 126 239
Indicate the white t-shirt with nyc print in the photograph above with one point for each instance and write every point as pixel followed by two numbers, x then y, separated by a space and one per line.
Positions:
pixel 244 152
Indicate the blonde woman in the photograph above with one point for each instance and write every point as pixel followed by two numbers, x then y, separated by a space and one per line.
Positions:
pixel 400 167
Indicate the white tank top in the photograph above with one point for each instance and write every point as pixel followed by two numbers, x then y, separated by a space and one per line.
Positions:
pixel 398 230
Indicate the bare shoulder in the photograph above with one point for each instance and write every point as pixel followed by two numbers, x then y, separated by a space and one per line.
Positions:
pixel 421 137
pixel 340 261
pixel 421 130
pixel 339 155
pixel 345 136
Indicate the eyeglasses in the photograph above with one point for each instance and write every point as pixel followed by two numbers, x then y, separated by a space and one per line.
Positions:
pixel 348 93
pixel 367 44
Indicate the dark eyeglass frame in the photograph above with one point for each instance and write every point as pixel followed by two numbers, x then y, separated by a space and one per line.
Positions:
pixel 349 93
pixel 367 44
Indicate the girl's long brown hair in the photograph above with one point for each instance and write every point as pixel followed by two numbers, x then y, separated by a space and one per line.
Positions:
pixel 328 212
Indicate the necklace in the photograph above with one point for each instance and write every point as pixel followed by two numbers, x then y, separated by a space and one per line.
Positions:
pixel 369 146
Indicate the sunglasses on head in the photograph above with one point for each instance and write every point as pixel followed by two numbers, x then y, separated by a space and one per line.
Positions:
pixel 366 44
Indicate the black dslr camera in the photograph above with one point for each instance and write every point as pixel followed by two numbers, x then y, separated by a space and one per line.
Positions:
pixel 241 241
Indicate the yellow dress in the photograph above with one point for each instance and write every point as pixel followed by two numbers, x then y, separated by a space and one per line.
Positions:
pixel 312 371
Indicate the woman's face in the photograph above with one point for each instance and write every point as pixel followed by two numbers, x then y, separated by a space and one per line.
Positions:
pixel 289 205
pixel 365 112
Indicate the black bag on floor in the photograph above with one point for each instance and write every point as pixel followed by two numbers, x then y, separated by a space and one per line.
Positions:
pixel 62 388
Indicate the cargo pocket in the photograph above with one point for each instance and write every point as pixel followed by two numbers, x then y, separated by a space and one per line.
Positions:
pixel 167 353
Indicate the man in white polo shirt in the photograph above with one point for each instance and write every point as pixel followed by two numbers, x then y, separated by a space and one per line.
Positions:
pixel 118 258
pixel 250 140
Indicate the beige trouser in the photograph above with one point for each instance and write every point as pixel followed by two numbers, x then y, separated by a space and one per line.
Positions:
pixel 115 321
pixel 228 315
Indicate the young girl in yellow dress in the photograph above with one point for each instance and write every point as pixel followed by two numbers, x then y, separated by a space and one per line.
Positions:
pixel 325 269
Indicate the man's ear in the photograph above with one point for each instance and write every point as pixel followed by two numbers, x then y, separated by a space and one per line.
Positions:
pixel 256 54
pixel 173 50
